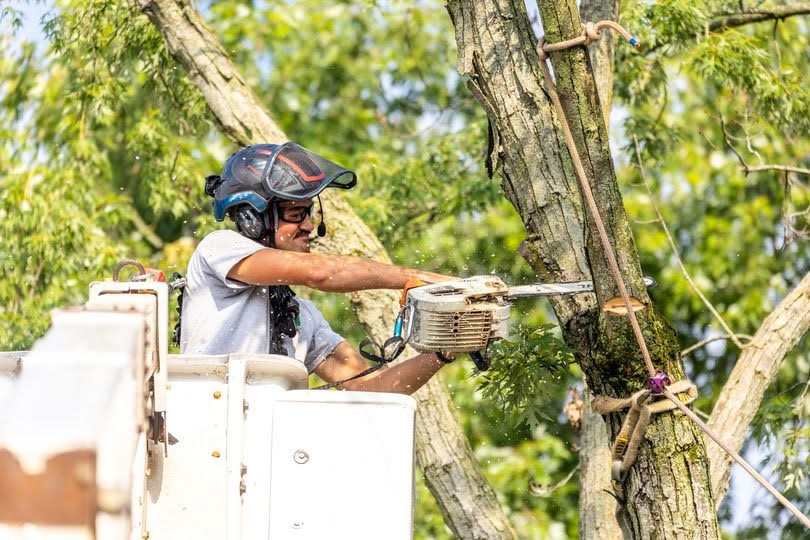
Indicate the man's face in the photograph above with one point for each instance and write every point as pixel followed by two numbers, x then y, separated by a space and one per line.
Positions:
pixel 292 234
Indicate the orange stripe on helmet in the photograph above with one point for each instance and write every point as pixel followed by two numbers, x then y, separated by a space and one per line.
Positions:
pixel 296 168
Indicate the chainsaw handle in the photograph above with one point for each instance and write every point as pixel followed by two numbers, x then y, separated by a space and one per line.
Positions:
pixel 481 360
pixel 410 284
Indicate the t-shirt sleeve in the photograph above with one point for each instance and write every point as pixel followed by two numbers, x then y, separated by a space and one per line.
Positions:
pixel 221 250
pixel 323 341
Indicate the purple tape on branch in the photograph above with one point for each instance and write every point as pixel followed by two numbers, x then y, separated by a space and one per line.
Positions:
pixel 658 382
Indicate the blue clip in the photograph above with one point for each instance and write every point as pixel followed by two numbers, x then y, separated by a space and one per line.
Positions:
pixel 634 42
pixel 398 326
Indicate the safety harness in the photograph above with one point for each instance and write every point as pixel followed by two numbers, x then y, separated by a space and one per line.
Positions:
pixel 282 315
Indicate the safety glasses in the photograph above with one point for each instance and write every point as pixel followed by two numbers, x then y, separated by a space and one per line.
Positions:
pixel 295 214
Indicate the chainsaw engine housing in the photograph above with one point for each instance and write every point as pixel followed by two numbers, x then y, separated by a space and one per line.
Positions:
pixel 458 316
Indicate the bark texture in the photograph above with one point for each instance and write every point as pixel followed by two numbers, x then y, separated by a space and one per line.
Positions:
pixel 596 508
pixel 468 503
pixel 603 52
pixel 752 374
pixel 668 490
pixel 443 454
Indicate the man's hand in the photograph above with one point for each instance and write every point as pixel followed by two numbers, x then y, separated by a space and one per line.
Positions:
pixel 411 284
pixel 404 377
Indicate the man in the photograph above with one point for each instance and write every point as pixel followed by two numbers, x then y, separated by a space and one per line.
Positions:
pixel 237 297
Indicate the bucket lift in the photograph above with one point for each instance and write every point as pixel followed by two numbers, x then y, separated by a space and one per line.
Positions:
pixel 104 435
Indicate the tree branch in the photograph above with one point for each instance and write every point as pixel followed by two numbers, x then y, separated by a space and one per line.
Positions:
pixel 755 15
pixel 756 168
pixel 692 348
pixel 756 368
pixel 539 490
pixel 781 168
pixel 147 232
pixel 724 21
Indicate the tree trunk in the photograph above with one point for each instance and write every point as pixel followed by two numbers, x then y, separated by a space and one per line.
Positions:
pixel 668 489
pixel 596 507
pixel 752 374
pixel 603 52
pixel 757 366
pixel 468 503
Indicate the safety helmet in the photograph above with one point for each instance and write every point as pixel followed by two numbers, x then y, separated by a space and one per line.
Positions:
pixel 259 174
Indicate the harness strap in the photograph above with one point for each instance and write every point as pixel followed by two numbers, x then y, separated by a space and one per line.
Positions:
pixel 607 405
pixel 642 406
pixel 282 312
pixel 178 283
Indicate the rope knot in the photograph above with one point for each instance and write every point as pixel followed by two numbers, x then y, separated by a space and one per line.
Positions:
pixel 541 51
pixel 590 32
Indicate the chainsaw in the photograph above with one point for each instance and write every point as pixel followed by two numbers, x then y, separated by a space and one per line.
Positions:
pixel 467 315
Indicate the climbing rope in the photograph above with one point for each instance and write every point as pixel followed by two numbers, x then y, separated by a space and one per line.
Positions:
pixel 589 35
pixel 658 381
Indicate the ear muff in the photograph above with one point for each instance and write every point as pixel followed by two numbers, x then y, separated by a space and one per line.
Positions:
pixel 250 222
pixel 212 183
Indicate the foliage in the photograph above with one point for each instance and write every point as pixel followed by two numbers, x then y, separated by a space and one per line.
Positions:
pixel 522 368
pixel 706 107
pixel 514 456
pixel 106 170
pixel 104 143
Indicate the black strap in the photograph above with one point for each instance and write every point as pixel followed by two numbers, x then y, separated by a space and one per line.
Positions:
pixel 388 352
pixel 178 283
pixel 282 311
pixel 481 360
pixel 363 373
pixel 371 350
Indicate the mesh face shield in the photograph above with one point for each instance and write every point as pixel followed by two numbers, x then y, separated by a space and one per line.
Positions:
pixel 296 174
pixel 261 173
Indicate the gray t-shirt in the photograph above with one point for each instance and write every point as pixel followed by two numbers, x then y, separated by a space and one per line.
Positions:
pixel 223 316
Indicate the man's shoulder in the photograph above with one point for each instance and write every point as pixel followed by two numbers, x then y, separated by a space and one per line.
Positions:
pixel 221 235
pixel 218 251
pixel 225 240
pixel 309 309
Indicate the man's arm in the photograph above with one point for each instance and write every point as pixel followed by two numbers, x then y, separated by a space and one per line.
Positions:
pixel 404 378
pixel 325 272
